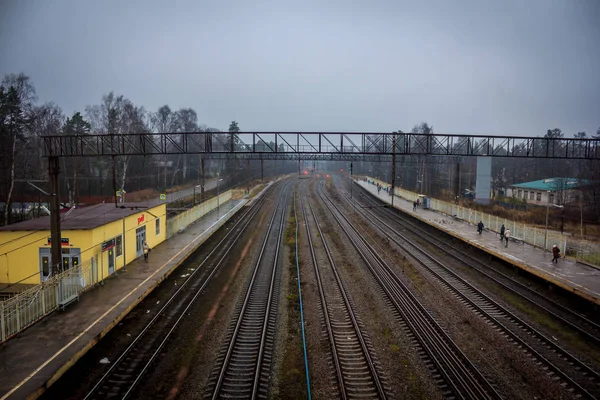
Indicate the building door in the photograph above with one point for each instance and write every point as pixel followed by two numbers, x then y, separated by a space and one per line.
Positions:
pixel 70 258
pixel 111 261
pixel 45 264
pixel 140 238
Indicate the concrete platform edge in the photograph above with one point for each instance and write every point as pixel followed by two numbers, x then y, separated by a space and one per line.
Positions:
pixel 532 270
pixel 88 346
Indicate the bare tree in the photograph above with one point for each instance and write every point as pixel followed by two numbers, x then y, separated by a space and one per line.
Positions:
pixel 17 98
pixel 163 121
pixel 118 115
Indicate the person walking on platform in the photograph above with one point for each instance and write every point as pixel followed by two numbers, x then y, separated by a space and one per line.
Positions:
pixel 418 203
pixel 555 254
pixel 146 250
pixel 502 229
pixel 414 206
pixel 480 227
pixel 506 236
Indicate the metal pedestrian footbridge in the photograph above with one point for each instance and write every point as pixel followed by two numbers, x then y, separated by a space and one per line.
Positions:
pixel 317 145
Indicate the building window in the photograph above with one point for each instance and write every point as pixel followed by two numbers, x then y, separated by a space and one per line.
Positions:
pixel 119 246
pixel 531 195
pixel 525 194
pixel 519 193
pixel 551 198
pixel 157 226
pixel 539 196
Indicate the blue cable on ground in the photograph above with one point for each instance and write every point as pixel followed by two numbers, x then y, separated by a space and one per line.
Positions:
pixel 301 309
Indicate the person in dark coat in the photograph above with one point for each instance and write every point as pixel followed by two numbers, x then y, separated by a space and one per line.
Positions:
pixel 414 206
pixel 480 227
pixel 555 254
pixel 502 229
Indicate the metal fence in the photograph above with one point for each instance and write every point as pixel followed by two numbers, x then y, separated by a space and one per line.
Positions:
pixel 580 249
pixel 27 307
pixel 181 221
pixel 31 305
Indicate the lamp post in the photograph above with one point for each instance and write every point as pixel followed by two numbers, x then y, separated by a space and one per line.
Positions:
pixel 196 186
pixel 547 211
pixel 546 230
pixel 218 205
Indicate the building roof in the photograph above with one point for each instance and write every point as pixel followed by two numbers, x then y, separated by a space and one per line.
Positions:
pixel 83 218
pixel 553 184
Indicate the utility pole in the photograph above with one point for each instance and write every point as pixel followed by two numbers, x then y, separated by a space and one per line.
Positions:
pixel 262 170
pixel 351 182
pixel 53 171
pixel 393 167
pixel 201 180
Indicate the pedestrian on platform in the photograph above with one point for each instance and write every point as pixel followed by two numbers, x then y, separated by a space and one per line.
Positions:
pixel 146 250
pixel 418 203
pixel 480 227
pixel 506 236
pixel 502 229
pixel 555 254
pixel 414 206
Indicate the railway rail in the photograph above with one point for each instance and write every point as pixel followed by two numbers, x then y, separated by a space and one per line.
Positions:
pixel 588 328
pixel 455 374
pixel 552 358
pixel 124 374
pixel 243 366
pixel 354 366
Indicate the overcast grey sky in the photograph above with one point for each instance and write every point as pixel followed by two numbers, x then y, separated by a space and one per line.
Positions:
pixel 474 66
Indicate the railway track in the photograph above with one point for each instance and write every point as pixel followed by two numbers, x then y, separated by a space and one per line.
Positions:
pixel 590 330
pixel 243 366
pixel 124 374
pixel 554 360
pixel 456 376
pixel 354 366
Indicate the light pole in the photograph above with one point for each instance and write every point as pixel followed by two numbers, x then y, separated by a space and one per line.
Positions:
pixel 196 186
pixel 546 230
pixel 547 211
pixel 218 205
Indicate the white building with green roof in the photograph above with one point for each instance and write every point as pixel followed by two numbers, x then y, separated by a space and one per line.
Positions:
pixel 557 191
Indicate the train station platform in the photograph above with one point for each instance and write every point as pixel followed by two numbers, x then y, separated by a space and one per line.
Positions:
pixel 578 278
pixel 38 356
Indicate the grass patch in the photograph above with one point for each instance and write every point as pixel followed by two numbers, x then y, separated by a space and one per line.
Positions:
pixel 292 382
pixel 256 191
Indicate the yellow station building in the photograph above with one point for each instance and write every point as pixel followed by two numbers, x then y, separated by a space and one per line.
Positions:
pixel 105 236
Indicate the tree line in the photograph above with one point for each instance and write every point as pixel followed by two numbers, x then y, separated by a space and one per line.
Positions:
pixel 23 122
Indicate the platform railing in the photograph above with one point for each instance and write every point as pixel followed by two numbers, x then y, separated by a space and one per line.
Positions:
pixel 182 220
pixel 575 247
pixel 25 308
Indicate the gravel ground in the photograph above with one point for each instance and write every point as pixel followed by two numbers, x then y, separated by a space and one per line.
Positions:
pixel 405 373
pixel 323 380
pixel 515 375
pixel 186 362
pixel 76 382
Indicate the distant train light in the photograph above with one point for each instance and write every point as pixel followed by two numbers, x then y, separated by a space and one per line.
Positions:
pixel 305 172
